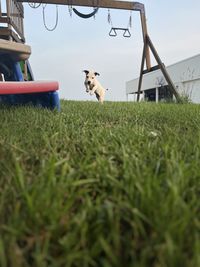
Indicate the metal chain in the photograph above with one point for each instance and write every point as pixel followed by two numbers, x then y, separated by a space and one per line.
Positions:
pixel 70 8
pixel 109 18
pixel 94 8
pixel 130 20
pixel 44 20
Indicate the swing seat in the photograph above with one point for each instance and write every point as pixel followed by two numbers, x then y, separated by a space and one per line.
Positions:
pixel 85 16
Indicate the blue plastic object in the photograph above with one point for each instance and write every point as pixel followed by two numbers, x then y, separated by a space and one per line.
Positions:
pixel 10 69
pixel 12 72
pixel 45 100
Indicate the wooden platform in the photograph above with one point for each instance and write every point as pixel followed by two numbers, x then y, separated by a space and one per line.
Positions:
pixel 16 51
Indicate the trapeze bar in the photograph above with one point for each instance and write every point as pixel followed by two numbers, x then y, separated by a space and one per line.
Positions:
pixel 113 32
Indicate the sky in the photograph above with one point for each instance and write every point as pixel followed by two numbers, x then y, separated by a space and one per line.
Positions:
pixel 78 44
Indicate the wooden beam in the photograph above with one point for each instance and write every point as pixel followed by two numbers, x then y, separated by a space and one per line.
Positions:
pixel 4 20
pixel 0 9
pixel 17 30
pixel 141 69
pixel 164 71
pixel 145 34
pixel 157 67
pixel 8 34
pixel 126 5
pixel 5 31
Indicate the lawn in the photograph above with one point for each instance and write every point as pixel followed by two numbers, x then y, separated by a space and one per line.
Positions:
pixel 94 185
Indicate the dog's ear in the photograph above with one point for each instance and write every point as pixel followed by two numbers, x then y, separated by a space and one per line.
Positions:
pixel 96 74
pixel 86 71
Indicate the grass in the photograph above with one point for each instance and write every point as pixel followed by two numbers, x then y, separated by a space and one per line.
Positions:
pixel 100 185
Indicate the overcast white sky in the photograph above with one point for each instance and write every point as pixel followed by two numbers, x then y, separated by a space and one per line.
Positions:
pixel 78 44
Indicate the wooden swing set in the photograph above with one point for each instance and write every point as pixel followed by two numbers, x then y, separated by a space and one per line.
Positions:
pixel 12 29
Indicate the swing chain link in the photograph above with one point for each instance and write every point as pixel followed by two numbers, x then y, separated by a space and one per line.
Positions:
pixel 113 31
pixel 130 20
pixel 109 18
pixel 70 8
pixel 95 7
pixel 35 5
pixel 70 11
pixel 44 18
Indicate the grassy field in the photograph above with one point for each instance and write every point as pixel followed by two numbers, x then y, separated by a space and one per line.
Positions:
pixel 100 186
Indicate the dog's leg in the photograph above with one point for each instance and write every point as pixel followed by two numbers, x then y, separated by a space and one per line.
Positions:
pixel 93 90
pixel 101 96
pixel 87 87
pixel 97 96
pixel 101 99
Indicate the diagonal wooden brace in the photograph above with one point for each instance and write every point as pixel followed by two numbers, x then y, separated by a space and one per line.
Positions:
pixel 161 66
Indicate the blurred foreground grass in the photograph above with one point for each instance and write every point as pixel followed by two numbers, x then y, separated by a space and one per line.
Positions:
pixel 100 185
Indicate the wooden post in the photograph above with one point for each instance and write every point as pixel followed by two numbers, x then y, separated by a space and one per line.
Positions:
pixel 163 69
pixel 141 70
pixel 0 9
pixel 157 94
pixel 145 34
pixel 8 7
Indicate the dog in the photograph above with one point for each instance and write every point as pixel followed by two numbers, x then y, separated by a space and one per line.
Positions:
pixel 93 86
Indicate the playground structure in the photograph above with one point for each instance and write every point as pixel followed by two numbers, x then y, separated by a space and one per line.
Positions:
pixel 17 85
pixel 13 31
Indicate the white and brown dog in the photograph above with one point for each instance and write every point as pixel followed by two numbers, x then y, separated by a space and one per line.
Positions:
pixel 93 86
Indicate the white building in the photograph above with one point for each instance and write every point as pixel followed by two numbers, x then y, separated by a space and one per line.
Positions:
pixel 185 75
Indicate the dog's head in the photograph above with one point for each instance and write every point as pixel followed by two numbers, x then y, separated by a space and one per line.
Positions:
pixel 90 78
